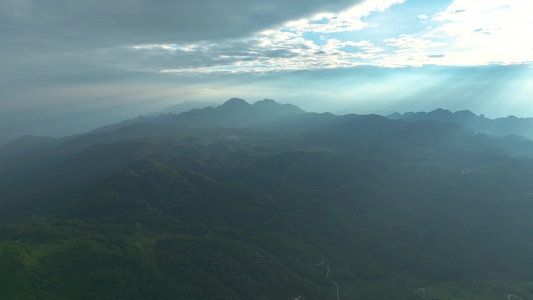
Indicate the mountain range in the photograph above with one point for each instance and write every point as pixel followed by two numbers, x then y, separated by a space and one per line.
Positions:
pixel 183 107
pixel 268 201
pixel 31 153
pixel 510 125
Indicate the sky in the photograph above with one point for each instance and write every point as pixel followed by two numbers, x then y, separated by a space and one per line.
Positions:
pixel 70 66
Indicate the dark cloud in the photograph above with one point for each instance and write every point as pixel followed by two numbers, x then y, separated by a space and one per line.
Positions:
pixel 63 42
pixel 99 23
pixel 68 64
pixel 210 54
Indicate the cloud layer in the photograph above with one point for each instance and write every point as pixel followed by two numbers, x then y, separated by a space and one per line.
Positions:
pixel 464 33
pixel 99 23
pixel 110 59
pixel 68 39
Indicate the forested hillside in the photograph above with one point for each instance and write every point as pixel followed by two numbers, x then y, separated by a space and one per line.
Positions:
pixel 311 207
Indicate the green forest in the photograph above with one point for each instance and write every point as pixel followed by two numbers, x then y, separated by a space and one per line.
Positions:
pixel 358 207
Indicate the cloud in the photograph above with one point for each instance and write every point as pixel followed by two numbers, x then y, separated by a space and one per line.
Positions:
pixel 93 40
pixel 348 20
pixel 99 23
pixel 466 33
pixel 64 43
pixel 267 51
pixel 326 23
pixel 35 34
pixel 491 31
pixel 411 41
pixel 276 49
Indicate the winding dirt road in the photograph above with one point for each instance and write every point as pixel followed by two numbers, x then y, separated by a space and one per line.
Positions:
pixel 335 283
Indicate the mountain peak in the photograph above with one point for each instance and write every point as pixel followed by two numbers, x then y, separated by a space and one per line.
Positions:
pixel 272 107
pixel 234 102
pixel 440 112
pixel 265 102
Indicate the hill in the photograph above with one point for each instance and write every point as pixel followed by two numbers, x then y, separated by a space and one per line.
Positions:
pixel 18 158
pixel 293 206
pixel 510 125
pixel 183 107
pixel 234 112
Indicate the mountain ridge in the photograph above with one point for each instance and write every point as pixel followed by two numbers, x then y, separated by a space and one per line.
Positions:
pixel 30 154
pixel 385 209
pixel 183 107
pixel 510 125
pixel 233 113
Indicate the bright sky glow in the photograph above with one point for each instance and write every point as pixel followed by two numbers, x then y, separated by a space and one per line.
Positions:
pixel 465 33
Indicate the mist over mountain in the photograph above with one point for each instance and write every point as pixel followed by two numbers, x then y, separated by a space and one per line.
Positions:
pixel 234 112
pixel 113 187
pixel 183 107
pixel 268 201
pixel 510 125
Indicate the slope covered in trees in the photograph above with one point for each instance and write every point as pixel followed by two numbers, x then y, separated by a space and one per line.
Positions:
pixel 381 209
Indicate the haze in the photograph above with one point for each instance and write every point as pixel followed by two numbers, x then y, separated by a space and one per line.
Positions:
pixel 68 67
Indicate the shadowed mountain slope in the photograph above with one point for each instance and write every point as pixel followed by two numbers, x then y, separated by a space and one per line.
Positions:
pixel 501 126
pixel 299 206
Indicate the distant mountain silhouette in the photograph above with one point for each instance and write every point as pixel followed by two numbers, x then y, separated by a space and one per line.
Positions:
pixel 510 125
pixel 439 128
pixel 29 154
pixel 183 107
pixel 79 162
pixel 234 112
pixel 28 143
